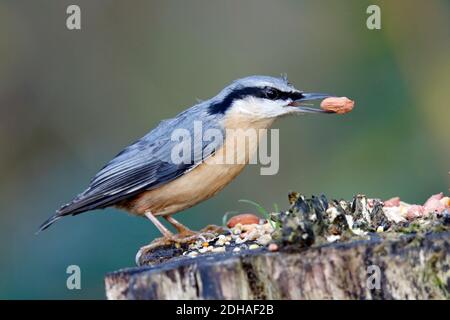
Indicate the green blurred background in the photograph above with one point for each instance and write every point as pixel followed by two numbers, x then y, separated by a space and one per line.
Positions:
pixel 70 100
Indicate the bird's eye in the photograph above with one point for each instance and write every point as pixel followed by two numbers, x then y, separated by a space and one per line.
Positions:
pixel 272 94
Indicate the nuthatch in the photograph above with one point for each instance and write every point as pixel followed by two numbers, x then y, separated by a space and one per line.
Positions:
pixel 143 179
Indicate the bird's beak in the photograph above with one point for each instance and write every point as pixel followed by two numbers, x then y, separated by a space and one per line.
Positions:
pixel 300 103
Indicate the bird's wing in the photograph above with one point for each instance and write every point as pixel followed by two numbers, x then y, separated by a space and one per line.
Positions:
pixel 131 172
pixel 144 165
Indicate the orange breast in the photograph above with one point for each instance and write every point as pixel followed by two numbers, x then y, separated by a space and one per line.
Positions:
pixel 205 180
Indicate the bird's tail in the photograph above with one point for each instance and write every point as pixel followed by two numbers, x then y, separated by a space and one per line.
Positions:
pixel 81 203
pixel 70 208
pixel 49 222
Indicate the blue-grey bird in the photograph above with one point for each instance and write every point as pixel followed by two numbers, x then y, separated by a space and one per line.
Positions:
pixel 144 180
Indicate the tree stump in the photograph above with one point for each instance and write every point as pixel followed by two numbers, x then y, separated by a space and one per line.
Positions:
pixel 413 266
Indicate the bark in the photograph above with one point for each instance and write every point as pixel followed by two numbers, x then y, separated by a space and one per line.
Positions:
pixel 411 267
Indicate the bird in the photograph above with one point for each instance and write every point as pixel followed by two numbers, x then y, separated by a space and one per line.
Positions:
pixel 144 180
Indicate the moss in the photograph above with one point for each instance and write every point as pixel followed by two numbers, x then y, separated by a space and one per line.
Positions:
pixel 431 273
pixel 312 221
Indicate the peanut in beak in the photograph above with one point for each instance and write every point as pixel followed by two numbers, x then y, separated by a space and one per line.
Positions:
pixel 339 105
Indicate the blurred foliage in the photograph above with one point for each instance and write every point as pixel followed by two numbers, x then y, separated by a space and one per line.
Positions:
pixel 70 100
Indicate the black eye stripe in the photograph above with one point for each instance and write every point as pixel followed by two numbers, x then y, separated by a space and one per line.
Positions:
pixel 272 94
pixel 275 94
pixel 258 92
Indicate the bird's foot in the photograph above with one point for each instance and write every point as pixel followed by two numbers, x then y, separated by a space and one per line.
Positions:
pixel 173 244
pixel 188 236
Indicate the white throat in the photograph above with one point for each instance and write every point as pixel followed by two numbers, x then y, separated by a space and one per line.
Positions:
pixel 258 108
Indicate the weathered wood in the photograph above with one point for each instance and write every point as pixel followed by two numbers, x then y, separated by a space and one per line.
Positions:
pixel 412 267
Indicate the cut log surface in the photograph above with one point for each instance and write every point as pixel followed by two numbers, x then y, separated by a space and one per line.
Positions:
pixel 410 267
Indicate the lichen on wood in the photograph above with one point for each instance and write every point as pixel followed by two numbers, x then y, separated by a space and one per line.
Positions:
pixel 326 250
pixel 410 269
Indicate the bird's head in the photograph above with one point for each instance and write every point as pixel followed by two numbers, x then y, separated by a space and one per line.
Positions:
pixel 263 97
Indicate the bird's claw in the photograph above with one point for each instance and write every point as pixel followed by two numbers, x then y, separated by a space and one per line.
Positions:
pixel 206 234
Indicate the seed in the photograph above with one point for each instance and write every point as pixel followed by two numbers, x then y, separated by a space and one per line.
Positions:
pixel 446 202
pixel 253 235
pixel 415 211
pixel 243 219
pixel 434 204
pixel 333 238
pixel 264 239
pixel 268 227
pixel 249 227
pixel 273 247
pixel 219 249
pixel 337 105
pixel 219 242
pixel 392 202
